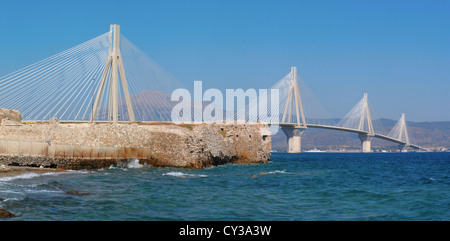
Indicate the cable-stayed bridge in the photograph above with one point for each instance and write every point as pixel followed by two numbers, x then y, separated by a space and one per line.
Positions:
pixel 358 120
pixel 101 79
pixel 109 79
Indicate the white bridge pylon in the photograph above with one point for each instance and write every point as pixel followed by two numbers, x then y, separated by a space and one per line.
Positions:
pixel 365 114
pixel 294 101
pixel 293 130
pixel 359 119
pixel 400 132
pixel 113 65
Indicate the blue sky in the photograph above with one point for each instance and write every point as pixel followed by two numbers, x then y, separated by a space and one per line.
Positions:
pixel 396 51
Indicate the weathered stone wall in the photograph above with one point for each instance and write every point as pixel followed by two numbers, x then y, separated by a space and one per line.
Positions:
pixel 87 145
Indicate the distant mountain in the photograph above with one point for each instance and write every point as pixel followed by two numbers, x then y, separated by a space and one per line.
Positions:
pixel 426 134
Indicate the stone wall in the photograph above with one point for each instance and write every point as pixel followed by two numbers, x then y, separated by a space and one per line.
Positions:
pixel 95 145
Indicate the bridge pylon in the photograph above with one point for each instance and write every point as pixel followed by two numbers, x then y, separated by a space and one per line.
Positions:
pixel 293 130
pixel 400 132
pixel 366 138
pixel 113 67
pixel 294 101
pixel 365 114
pixel 404 134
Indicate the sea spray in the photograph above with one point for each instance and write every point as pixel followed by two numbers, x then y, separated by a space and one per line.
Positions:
pixel 129 163
pixel 134 163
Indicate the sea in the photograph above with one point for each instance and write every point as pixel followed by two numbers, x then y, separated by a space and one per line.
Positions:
pixel 291 187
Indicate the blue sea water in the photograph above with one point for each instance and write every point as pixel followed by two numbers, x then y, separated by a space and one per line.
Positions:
pixel 305 186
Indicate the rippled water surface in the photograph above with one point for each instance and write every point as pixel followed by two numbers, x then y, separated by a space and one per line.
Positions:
pixel 306 186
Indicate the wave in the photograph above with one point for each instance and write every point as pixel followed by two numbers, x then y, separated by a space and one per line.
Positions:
pixel 31 175
pixel 21 176
pixel 182 174
pixel 134 163
pixel 131 163
pixel 276 172
pixel 10 199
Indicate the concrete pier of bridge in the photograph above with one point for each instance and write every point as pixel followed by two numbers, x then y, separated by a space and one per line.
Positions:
pixel 366 142
pixel 403 147
pixel 294 138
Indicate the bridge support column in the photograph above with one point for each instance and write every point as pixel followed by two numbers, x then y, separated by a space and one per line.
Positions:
pixel 366 142
pixel 403 147
pixel 294 138
pixel 113 68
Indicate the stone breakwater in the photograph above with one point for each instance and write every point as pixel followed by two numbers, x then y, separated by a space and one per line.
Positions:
pixel 101 145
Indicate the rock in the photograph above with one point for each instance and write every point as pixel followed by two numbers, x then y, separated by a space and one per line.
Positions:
pixel 8 114
pixel 6 214
pixel 3 168
pixel 6 122
pixel 75 192
pixel 53 121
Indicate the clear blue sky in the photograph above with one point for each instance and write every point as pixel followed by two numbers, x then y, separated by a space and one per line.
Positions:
pixel 397 51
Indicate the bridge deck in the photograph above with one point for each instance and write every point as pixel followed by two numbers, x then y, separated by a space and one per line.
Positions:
pixel 384 137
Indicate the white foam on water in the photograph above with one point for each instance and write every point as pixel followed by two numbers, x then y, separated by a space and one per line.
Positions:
pixel 21 176
pixel 181 174
pixel 134 164
pixel 42 191
pixel 128 164
pixel 11 199
pixel 175 174
pixel 9 191
pixel 31 175
pixel 276 172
